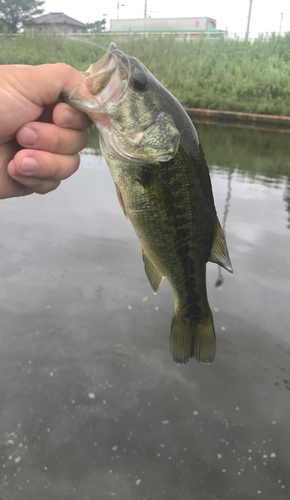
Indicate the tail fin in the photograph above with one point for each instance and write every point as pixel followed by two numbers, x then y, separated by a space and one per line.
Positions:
pixel 190 338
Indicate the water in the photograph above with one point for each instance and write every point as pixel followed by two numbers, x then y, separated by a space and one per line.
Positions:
pixel 92 405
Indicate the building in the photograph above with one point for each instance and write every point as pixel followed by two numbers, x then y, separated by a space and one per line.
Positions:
pixel 188 26
pixel 58 22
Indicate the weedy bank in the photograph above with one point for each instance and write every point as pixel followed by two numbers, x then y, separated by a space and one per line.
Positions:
pixel 224 74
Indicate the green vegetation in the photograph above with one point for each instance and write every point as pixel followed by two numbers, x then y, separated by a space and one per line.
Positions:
pixel 215 74
pixel 14 14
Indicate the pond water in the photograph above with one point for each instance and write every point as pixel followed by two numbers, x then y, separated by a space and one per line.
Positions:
pixel 92 405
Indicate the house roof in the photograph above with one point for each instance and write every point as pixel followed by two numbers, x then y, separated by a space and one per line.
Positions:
pixel 58 18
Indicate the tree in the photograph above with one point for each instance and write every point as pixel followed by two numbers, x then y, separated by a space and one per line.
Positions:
pixel 14 14
pixel 96 27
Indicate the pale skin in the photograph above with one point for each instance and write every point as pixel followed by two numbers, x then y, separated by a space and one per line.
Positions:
pixel 40 137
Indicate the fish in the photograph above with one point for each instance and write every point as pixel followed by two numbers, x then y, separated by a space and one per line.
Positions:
pixel 163 185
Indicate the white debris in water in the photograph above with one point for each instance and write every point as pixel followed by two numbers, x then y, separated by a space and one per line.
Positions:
pixel 91 395
pixel 138 482
pixel 48 307
pixel 144 299
pixel 273 455
pixel 219 456
pixel 216 309
pixel 115 448
pixel 165 422
pixel 237 408
pixel 156 308
pixel 224 470
pixel 51 374
pixel 265 456
pixel 259 492
pixel 273 422
pixel 196 413
pixel 129 307
pixel 223 328
pixel 17 460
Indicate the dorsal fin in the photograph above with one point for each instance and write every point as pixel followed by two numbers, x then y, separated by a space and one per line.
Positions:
pixel 153 274
pixel 219 252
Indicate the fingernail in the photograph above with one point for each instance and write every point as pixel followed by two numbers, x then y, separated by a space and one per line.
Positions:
pixel 27 137
pixel 29 165
pixel 66 117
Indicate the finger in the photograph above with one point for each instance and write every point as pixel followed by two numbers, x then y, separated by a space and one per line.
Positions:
pixel 50 137
pixel 8 186
pixel 29 185
pixel 66 116
pixel 42 171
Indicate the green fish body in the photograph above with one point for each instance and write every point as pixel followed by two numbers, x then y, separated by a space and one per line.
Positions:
pixel 163 185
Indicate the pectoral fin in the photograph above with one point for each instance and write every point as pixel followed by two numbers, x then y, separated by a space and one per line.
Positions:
pixel 153 274
pixel 219 252
pixel 121 201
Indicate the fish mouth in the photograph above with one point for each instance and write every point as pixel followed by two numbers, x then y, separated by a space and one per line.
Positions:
pixel 106 81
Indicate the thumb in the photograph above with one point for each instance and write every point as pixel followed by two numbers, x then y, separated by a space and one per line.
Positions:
pixel 42 84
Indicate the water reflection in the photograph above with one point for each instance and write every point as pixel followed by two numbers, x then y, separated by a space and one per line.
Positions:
pixel 253 153
pixel 92 404
pixel 287 200
pixel 256 154
pixel 220 278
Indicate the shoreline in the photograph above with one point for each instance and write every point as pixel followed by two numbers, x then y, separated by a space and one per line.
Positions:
pixel 240 119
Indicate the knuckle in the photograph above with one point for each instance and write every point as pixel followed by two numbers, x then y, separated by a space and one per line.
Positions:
pixel 56 143
pixel 45 187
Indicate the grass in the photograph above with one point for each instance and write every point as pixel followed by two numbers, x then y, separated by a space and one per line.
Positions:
pixel 221 74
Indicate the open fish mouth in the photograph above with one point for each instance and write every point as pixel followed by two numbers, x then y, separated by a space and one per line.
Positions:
pixel 131 125
pixel 107 81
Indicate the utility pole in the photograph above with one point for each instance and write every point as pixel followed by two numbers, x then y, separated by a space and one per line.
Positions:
pixel 249 19
pixel 118 8
pixel 281 14
pixel 145 9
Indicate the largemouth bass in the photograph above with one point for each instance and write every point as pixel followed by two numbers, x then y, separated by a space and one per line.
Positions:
pixel 163 185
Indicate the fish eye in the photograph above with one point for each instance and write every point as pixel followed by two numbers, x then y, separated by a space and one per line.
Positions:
pixel 138 81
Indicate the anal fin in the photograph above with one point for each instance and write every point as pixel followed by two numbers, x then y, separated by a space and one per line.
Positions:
pixel 153 274
pixel 219 252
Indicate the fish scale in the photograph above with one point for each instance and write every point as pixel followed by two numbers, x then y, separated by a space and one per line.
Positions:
pixel 163 185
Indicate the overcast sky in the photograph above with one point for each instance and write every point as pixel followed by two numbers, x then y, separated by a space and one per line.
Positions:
pixel 230 14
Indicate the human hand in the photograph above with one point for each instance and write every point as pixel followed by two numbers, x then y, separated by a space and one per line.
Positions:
pixel 51 132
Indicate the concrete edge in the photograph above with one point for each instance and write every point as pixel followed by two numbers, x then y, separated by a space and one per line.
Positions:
pixel 238 118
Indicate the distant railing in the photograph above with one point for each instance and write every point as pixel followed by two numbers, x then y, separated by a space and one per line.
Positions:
pixel 214 33
pixel 181 34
